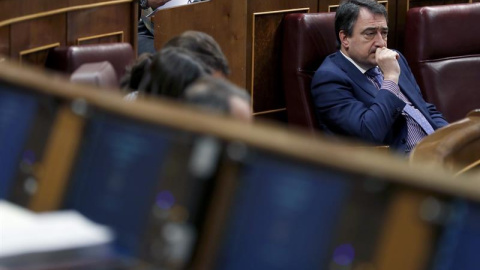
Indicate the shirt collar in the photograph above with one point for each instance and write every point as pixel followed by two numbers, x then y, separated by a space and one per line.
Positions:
pixel 353 62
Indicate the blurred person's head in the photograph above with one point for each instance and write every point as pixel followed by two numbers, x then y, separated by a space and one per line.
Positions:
pixel 134 73
pixel 204 47
pixel 219 96
pixel 171 71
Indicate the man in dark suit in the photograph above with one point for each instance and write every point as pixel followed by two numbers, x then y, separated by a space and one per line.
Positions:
pixel 366 90
pixel 145 25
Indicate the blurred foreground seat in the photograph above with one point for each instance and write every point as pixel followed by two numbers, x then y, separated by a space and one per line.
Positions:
pixel 456 146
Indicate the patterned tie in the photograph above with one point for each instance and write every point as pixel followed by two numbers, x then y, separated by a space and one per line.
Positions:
pixel 419 118
pixel 376 76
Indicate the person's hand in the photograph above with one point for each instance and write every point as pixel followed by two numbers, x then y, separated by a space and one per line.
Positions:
pixel 157 3
pixel 388 63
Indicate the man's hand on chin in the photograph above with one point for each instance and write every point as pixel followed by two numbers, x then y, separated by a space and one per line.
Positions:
pixel 388 63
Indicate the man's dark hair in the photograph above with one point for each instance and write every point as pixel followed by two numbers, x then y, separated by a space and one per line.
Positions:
pixel 204 47
pixel 171 71
pixel 347 15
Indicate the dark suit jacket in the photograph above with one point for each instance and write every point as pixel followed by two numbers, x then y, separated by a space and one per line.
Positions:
pixel 349 104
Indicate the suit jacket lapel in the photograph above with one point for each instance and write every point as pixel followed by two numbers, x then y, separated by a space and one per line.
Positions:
pixel 354 73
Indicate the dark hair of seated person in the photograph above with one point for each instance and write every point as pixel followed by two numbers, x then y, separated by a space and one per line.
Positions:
pixel 204 47
pixel 218 95
pixel 171 71
pixel 134 73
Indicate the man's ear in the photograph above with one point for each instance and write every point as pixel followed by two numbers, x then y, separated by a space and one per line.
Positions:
pixel 345 43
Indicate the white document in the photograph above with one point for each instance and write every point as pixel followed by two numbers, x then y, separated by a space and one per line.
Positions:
pixel 23 231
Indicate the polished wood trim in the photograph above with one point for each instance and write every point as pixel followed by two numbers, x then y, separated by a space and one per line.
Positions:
pixel 403 227
pixel 281 11
pixel 61 10
pixel 296 144
pixel 384 2
pixel 37 49
pixel 218 209
pixel 270 111
pixel 332 6
pixel 54 169
pixel 474 113
pixel 121 33
pixel 468 167
pixel 307 9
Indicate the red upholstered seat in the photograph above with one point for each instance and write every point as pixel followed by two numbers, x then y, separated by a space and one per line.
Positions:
pixel 68 59
pixel 308 39
pixel 442 46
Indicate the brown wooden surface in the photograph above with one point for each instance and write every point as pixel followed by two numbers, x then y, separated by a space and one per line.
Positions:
pixel 338 154
pixel 297 146
pixel 14 8
pixel 454 147
pixel 59 156
pixel 264 72
pixel 31 34
pixel 97 17
pixel 231 23
pixel 224 20
pixel 267 86
pixel 403 228
pixel 30 25
pixel 5 37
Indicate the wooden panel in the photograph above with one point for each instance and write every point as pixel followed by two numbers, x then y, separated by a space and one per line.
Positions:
pixel 5 41
pixel 224 20
pixel 231 24
pixel 37 56
pixel 36 24
pixel 15 8
pixel 8 10
pixel 264 51
pixel 25 183
pixel 102 21
pixel 103 38
pixel 332 5
pixel 83 2
pixel 57 162
pixel 267 88
pixel 36 6
pixel 30 35
pixel 404 228
pixel 276 115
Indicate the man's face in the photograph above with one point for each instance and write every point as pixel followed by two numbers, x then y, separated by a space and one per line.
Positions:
pixel 369 33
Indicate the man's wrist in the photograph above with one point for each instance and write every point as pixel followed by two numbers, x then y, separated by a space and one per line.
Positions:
pixel 391 78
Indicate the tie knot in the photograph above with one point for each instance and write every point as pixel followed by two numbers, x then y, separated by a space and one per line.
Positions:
pixel 373 72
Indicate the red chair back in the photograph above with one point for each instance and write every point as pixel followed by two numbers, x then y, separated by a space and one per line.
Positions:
pixel 308 39
pixel 442 46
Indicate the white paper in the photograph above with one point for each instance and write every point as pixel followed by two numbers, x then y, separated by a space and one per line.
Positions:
pixel 22 231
